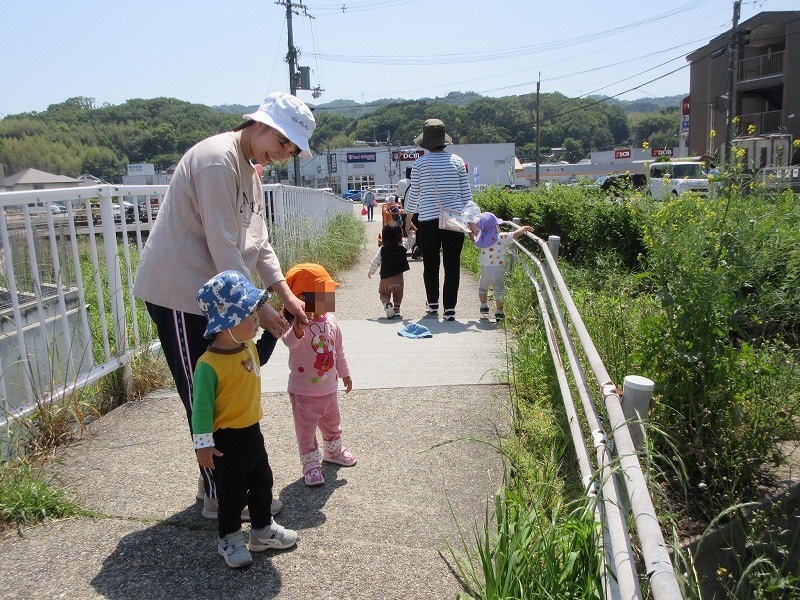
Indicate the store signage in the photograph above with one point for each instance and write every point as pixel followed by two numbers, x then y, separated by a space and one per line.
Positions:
pixel 361 157
pixel 332 163
pixel 407 155
pixel 656 152
pixel 622 154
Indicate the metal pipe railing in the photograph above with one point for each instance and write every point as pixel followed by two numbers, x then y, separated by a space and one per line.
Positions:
pixel 662 580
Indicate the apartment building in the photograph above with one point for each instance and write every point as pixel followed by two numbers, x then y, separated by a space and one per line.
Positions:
pixel 766 96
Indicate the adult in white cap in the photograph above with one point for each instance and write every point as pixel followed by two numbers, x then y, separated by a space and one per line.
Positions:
pixel 212 220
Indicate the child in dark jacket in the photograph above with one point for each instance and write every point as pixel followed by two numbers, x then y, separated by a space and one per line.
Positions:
pixel 392 260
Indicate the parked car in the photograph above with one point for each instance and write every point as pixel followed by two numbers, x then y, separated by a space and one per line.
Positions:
pixel 154 206
pixel 42 208
pixel 618 184
pixel 380 193
pixel 673 178
pixel 130 211
pixel 352 195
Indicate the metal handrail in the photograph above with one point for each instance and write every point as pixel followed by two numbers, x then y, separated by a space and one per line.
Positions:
pixel 620 579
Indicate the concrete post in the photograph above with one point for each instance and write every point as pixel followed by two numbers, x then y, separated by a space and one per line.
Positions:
pixel 637 392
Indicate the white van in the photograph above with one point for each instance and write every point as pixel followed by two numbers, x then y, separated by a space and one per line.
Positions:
pixel 673 178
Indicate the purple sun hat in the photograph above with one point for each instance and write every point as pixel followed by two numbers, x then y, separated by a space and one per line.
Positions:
pixel 487 230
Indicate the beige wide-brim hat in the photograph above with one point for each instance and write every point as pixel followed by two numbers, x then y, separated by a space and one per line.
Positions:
pixel 433 135
pixel 290 116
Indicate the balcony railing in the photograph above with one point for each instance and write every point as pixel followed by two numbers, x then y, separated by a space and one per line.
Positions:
pixel 764 122
pixel 765 65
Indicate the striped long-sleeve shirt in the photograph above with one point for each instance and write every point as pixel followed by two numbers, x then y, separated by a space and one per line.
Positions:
pixel 437 179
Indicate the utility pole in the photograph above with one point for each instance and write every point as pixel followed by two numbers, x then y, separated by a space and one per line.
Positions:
pixel 538 127
pixel 291 58
pixel 733 60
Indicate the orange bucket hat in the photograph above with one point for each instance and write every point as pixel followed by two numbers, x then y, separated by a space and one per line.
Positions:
pixel 309 277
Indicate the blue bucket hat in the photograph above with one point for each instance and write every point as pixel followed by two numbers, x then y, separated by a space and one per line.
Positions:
pixel 228 299
pixel 415 331
pixel 487 230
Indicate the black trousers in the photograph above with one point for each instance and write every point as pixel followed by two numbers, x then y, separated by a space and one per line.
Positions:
pixel 431 240
pixel 244 478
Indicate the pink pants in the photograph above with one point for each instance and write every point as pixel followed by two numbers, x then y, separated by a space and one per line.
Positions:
pixel 311 412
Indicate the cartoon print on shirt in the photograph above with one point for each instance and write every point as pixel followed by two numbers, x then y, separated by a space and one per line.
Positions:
pixel 323 344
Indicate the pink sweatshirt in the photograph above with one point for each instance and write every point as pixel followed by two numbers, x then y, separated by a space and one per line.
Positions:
pixel 317 360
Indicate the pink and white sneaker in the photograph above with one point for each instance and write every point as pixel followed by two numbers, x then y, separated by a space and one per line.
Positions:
pixel 336 453
pixel 312 468
pixel 313 477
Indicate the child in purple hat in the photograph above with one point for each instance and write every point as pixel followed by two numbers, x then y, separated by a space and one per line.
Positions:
pixel 493 245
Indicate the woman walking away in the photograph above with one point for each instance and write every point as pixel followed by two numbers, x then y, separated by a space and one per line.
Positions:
pixel 213 220
pixel 439 179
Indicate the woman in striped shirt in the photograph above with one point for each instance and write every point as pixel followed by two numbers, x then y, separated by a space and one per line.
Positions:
pixel 438 178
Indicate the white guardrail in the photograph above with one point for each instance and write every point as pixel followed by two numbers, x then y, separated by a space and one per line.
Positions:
pixel 614 479
pixel 68 259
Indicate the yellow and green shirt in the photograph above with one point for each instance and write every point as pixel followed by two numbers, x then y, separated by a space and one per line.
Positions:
pixel 227 392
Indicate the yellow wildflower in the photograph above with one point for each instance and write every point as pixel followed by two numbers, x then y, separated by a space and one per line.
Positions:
pixel 712 133
pixel 645 145
pixel 751 129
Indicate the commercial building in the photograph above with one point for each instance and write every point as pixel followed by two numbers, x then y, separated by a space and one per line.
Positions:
pixel 360 167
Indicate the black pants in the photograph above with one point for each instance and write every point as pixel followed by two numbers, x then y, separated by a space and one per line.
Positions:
pixel 431 240
pixel 244 477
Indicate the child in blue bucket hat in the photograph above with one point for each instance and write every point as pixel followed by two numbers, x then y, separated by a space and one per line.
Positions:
pixel 493 246
pixel 225 420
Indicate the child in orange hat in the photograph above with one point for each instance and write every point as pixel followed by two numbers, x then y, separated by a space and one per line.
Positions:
pixel 316 362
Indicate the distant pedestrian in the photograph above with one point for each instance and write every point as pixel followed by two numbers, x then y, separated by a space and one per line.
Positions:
pixel 316 362
pixel 439 180
pixel 225 421
pixel 494 245
pixel 392 261
pixel 402 187
pixel 369 204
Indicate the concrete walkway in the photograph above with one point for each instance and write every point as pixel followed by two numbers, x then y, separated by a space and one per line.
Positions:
pixel 379 530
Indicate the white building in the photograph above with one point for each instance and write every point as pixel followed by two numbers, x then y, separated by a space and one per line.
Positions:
pixel 145 174
pixel 357 168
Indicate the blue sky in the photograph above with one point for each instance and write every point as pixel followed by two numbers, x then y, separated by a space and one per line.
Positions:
pixel 232 52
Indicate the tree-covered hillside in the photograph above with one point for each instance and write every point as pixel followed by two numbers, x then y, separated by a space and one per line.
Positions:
pixel 76 136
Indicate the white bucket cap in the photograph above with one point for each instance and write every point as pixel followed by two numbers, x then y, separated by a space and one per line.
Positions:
pixel 289 115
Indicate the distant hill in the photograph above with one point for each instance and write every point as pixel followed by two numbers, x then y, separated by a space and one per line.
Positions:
pixel 644 105
pixel 354 110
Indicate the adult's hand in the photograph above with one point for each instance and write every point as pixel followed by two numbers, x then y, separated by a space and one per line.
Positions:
pixel 272 321
pixel 290 302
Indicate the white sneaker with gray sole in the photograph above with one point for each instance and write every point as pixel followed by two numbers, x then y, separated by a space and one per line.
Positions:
pixel 273 537
pixel 233 549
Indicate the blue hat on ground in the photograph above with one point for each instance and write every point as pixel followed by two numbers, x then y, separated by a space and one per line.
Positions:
pixel 487 230
pixel 228 299
pixel 414 331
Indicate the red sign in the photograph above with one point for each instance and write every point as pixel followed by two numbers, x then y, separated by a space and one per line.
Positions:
pixel 685 105
pixel 407 155
pixel 656 152
pixel 622 154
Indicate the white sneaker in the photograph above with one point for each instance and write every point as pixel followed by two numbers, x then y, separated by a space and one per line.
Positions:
pixel 234 550
pixel 389 309
pixel 211 508
pixel 273 537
